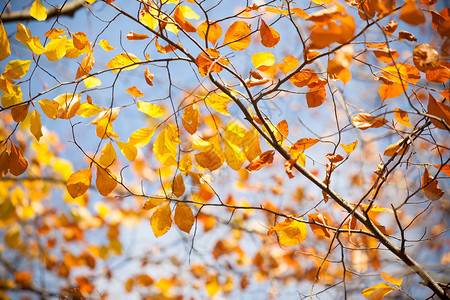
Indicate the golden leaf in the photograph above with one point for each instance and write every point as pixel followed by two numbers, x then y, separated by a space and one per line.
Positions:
pixel 105 182
pixel 79 182
pixel 161 220
pixel 184 218
pixel 291 233
pixel 238 36
pixel 38 11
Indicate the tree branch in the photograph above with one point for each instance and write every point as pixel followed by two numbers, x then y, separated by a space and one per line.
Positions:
pixel 24 15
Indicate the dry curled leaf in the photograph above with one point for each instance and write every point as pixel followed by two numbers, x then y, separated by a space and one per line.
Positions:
pixel 425 57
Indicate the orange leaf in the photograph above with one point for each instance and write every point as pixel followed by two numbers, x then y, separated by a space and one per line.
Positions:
pixel 148 77
pixel 290 63
pixel 269 36
pixel 23 279
pixel 134 91
pixel 365 121
pixel 411 13
pixel 79 182
pixel 20 112
pixel 405 35
pixel 291 233
pixel 392 149
pixel 334 158
pixel 391 279
pixel 133 36
pixel 166 49
pixel 303 144
pixel 305 77
pixel 445 169
pixel 105 183
pixel 184 218
pixel 17 164
pixel 439 75
pixel 430 187
pixel 377 292
pixel 402 117
pixel 178 186
pixel 161 220
pixel 386 54
pixel 319 230
pixel 439 110
pixel 260 161
pixel 181 13
pixel 283 130
pixel 86 65
pixel 315 98
pixel 350 147
pixel 191 118
pixel 238 36
pixel 81 42
pixel 209 62
pixel 4 163
pixel 214 31
pixel 390 27
pixel 250 82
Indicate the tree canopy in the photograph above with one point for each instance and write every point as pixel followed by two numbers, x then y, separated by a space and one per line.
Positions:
pixel 171 149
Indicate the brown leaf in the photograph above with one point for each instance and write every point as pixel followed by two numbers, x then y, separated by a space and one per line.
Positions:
pixel 17 163
pixel 405 35
pixel 430 187
pixel 148 77
pixel 439 75
pixel 390 27
pixel 133 36
pixel 425 57
pixel 445 168
pixel 365 121
pixel 260 161
pixel 334 158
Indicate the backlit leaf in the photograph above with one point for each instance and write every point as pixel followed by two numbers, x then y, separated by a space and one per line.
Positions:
pixel 128 150
pixel 86 65
pixel 290 232
pixel 38 11
pixel 411 13
pixel 104 182
pixel 5 49
pixel 150 109
pixel 56 48
pixel 17 162
pixel 106 46
pixel 81 42
pixel 50 108
pixel 109 156
pixel 178 186
pixel 54 33
pixel 212 155
pixel 153 202
pixel 208 62
pixel 321 219
pixel 238 36
pixel 402 117
pixel 35 125
pixel 365 121
pixel 425 57
pixel 431 190
pixel 16 69
pixel 79 182
pixel 391 279
pixel 349 148
pixel 141 137
pixel 148 77
pixel 439 110
pixel 165 146
pixel 392 149
pixel 86 110
pixel 445 168
pixel 214 31
pixel 134 91
pixel 260 161
pixel 303 144
pixel 120 61
pixel 218 103
pixel 184 218
pixel 233 155
pixel 269 36
pixel 191 117
pixel 377 292
pixel 161 220
pixel 182 13
pixel 133 36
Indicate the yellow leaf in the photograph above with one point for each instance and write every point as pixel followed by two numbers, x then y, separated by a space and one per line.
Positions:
pixel 212 156
pixel 234 133
pixel 154 201
pixel 238 36
pixel 260 161
pixel 350 147
pixel 79 182
pixel 185 164
pixel 150 109
pixel 5 49
pixel 291 233
pixel 106 46
pixel 120 62
pixel 35 125
pixel 184 218
pixel 81 42
pixel 56 48
pixel 91 82
pixel 109 156
pixel 391 149
pixel 250 142
pixel 148 19
pixel 14 98
pixel 54 33
pixel 128 150
pixel 234 155
pixel 161 220
pixel 178 186
pixel 165 146
pixel 71 50
pixel 86 65
pixel 214 31
pixel 88 110
pixel 105 183
pixel 263 60
pixel 141 137
pixel 218 103
pixel 377 292
pixel 391 279
pixel 38 11
pixel 16 69
pixel 12 236
pixel 68 105
pixel 49 107
pixel 191 118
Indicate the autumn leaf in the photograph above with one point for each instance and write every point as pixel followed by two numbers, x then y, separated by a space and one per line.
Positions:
pixel 153 202
pixel 319 229
pixel 133 36
pixel 191 117
pixel 86 65
pixel 106 46
pixel 121 61
pixel 439 110
pixel 5 50
pixel 150 109
pixel 303 144
pixel 128 150
pixel 391 279
pixel 234 155
pixel 290 232
pixel 17 162
pixel 106 182
pixel 411 13
pixel 148 77
pixel 38 11
pixel 141 137
pixel 134 91
pixel 445 168
pixel 425 57
pixel 161 220
pixel 56 48
pixel 377 292
pixel 35 125
pixel 430 187
pixel 108 156
pixel 365 121
pixel 79 182
pixel 209 62
pixel 269 36
pixel 400 145
pixel 402 117
pixel 184 218
pixel 334 158
pixel 260 161
pixel 212 30
pixel 182 13
pixel 238 36
pixel 349 148
pixel 165 147
pixel 251 145
pixel 178 186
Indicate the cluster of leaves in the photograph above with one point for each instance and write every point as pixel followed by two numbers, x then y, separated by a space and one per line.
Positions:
pixel 199 131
